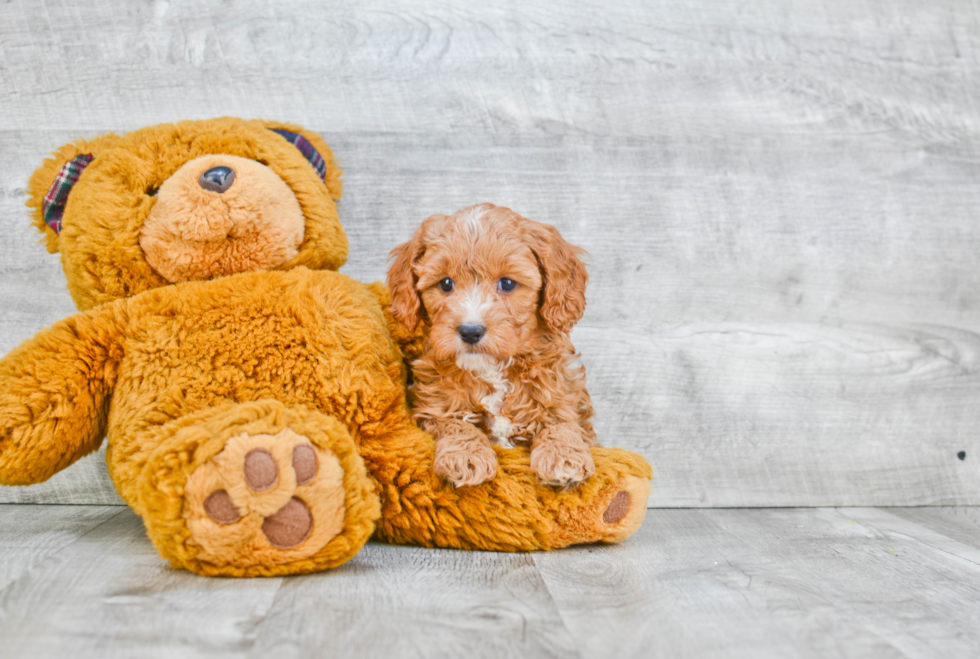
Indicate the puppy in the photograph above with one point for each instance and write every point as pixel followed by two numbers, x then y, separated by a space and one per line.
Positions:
pixel 498 294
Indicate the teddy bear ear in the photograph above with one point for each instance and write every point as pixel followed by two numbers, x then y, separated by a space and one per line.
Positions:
pixel 51 184
pixel 315 150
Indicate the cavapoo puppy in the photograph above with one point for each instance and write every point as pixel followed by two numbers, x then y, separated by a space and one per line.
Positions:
pixel 498 294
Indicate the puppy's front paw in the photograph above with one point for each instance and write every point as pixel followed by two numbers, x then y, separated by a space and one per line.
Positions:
pixel 465 463
pixel 558 463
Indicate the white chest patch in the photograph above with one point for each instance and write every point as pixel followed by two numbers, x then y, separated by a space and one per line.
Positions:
pixel 492 373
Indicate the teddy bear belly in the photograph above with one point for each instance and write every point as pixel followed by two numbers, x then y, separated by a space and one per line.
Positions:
pixel 303 338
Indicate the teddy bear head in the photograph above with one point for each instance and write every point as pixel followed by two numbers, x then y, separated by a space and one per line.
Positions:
pixel 188 201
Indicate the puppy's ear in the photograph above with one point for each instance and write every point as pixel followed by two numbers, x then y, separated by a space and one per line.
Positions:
pixel 406 304
pixel 563 273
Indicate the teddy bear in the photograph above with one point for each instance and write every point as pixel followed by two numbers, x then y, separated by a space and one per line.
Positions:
pixel 253 398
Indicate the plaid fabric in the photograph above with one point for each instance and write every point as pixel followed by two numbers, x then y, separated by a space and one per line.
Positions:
pixel 307 149
pixel 53 204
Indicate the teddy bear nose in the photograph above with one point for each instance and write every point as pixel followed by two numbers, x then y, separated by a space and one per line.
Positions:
pixel 217 179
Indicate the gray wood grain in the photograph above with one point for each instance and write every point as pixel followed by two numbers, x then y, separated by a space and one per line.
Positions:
pixel 108 594
pixel 755 414
pixel 546 68
pixel 771 583
pixel 30 534
pixel 84 582
pixel 779 201
pixel 402 601
pixel 960 523
pixel 918 594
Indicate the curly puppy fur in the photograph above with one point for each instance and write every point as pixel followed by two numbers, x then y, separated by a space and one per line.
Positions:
pixel 498 294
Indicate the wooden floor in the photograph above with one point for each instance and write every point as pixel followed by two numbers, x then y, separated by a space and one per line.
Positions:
pixel 779 198
pixel 84 581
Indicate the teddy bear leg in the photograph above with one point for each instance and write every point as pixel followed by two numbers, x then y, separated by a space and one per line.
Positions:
pixel 257 489
pixel 511 512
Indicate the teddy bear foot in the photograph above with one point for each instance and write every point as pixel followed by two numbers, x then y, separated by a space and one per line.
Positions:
pixel 609 507
pixel 286 493
pixel 612 516
pixel 269 497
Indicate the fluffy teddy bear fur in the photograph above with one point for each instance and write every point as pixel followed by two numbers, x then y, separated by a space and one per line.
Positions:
pixel 193 379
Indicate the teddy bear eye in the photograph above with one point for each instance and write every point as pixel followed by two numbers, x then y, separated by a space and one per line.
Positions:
pixel 506 285
pixel 447 285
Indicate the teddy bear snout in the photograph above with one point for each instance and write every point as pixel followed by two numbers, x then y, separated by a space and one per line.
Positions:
pixel 217 179
pixel 254 222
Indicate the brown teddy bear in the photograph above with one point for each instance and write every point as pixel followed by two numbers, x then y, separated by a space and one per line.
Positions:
pixel 254 398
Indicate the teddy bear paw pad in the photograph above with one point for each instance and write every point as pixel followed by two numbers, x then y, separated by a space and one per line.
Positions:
pixel 618 507
pixel 267 498
pixel 610 514
pixel 623 509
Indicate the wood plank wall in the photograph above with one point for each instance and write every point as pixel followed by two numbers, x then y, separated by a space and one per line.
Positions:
pixel 780 200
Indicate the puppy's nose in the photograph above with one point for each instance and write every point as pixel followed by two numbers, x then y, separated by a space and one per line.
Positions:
pixel 472 333
pixel 217 179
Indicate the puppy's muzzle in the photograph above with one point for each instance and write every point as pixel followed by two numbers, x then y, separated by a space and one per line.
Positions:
pixel 471 334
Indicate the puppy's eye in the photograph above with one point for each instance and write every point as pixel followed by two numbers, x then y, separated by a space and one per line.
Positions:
pixel 447 285
pixel 506 285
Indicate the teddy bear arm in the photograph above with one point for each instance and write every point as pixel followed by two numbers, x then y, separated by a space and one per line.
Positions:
pixel 54 394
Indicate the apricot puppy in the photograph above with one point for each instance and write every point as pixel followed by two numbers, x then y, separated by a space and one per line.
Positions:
pixel 498 294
